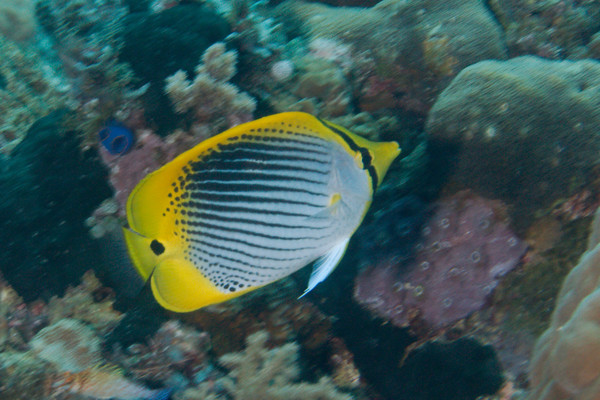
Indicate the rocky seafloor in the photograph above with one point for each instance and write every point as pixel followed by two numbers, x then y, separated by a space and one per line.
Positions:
pixel 452 288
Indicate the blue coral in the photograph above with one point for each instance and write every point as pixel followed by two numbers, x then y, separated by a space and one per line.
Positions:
pixel 116 138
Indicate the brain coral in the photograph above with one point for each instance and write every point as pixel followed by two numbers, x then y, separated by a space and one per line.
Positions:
pixel 526 129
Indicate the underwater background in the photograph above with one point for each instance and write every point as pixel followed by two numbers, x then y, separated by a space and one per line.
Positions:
pixel 473 276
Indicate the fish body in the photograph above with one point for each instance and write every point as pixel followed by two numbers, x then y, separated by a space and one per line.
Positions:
pixel 250 206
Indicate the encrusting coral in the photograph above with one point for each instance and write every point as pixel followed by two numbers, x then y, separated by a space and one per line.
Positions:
pixel 29 89
pixel 467 246
pixel 566 358
pixel 211 98
pixel 271 374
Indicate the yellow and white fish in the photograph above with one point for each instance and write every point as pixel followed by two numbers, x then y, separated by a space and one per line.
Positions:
pixel 250 206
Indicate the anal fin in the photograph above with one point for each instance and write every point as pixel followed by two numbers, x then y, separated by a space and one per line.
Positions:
pixel 325 265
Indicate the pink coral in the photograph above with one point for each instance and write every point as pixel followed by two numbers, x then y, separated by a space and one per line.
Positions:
pixel 465 249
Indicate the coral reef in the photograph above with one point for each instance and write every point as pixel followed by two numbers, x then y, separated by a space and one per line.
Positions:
pixel 17 20
pixel 149 153
pixel 549 29
pixel 466 247
pixel 68 344
pixel 345 374
pixel 159 42
pixel 445 37
pixel 174 354
pixel 29 89
pixel 565 359
pixel 175 72
pixel 525 300
pixel 19 322
pixel 215 103
pixel 271 374
pixel 525 129
pixel 156 45
pixel 273 309
pixel 103 383
pixel 23 376
pixel 88 302
pixel 321 88
pixel 86 38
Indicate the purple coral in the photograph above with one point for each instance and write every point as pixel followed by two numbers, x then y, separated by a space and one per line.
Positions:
pixel 466 247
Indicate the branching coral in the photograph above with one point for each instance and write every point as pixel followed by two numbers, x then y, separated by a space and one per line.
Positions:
pixel 79 303
pixel 211 98
pixel 260 373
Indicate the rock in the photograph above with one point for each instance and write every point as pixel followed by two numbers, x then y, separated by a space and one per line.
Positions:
pixel 49 188
pixel 547 28
pixel 526 129
pixel 463 369
pixel 416 47
pixel 158 45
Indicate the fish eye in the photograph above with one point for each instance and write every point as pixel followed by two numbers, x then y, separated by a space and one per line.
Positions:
pixel 157 247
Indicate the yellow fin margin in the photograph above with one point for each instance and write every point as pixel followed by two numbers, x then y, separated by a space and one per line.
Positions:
pixel 178 286
pixel 382 153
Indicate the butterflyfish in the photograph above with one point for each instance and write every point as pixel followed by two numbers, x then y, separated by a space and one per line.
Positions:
pixel 250 206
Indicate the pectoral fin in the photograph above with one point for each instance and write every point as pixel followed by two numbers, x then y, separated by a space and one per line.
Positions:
pixel 325 265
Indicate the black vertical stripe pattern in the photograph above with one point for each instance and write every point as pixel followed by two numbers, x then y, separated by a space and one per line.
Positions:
pixel 367 159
